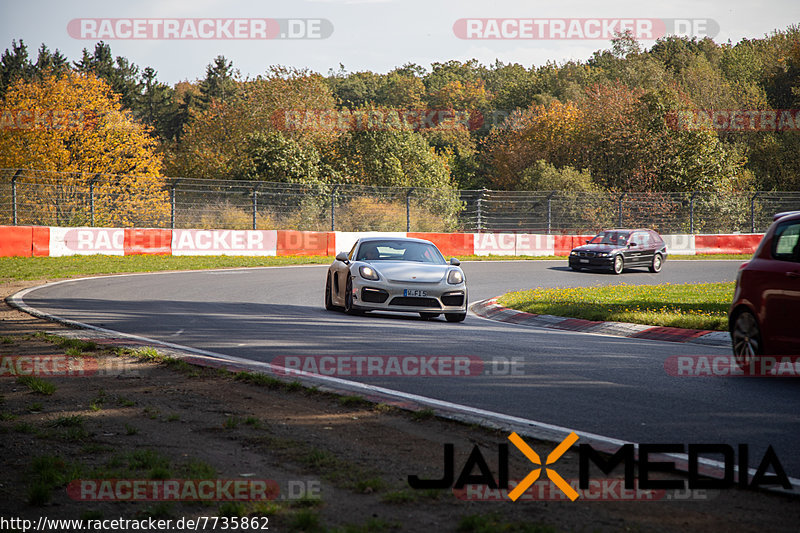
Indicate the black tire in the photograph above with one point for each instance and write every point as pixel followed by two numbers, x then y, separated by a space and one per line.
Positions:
pixel 575 268
pixel 619 265
pixel 428 316
pixel 348 299
pixel 455 317
pixel 746 339
pixel 658 263
pixel 328 297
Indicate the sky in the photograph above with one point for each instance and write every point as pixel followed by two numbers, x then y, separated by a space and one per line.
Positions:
pixel 376 35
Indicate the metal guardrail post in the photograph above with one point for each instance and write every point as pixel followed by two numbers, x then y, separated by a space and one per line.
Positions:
pixel 408 209
pixel 479 202
pixel 621 197
pixel 753 212
pixel 172 186
pixel 549 211
pixel 91 198
pixel 14 196
pixel 691 212
pixel 255 205
pixel 333 207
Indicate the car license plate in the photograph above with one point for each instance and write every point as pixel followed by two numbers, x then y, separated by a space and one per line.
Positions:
pixel 414 292
pixel 584 260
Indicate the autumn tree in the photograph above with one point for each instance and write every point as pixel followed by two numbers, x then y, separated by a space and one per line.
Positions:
pixel 80 129
pixel 119 73
pixel 547 133
pixel 214 144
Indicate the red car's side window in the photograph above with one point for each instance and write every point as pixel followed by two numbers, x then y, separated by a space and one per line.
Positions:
pixel 786 242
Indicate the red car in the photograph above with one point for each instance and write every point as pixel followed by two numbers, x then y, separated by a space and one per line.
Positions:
pixel 764 317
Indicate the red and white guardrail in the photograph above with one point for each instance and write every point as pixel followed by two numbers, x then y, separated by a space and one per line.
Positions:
pixel 43 241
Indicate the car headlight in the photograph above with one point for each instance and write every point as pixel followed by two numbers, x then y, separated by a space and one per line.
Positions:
pixel 454 277
pixel 573 252
pixel 602 254
pixel 368 272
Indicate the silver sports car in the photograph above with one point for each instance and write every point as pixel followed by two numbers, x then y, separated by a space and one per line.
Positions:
pixel 397 274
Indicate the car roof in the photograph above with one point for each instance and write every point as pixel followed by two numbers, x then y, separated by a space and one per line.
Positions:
pixel 788 215
pixel 628 229
pixel 390 238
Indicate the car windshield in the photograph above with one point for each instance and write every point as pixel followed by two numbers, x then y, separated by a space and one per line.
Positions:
pixel 399 251
pixel 619 238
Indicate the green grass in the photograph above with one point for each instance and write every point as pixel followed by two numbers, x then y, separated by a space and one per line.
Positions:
pixel 694 306
pixel 46 473
pixel 493 522
pixel 28 268
pixel 423 414
pixel 37 385
pixel 31 268
pixel 74 347
pixel 354 401
pixel 67 421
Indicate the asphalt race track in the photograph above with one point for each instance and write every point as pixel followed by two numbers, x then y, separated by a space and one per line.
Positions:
pixel 611 386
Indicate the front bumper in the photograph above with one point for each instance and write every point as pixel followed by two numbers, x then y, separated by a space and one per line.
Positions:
pixel 392 296
pixel 592 262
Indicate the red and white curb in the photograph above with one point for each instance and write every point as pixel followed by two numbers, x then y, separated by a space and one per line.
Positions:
pixel 492 310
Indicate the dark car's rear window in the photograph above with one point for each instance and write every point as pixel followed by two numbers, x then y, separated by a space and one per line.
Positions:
pixel 655 238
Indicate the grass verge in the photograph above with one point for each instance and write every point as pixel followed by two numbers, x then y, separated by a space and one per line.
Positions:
pixel 32 268
pixel 694 306
pixel 29 268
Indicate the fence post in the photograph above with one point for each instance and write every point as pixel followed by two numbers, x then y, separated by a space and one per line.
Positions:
pixel 333 207
pixel 14 196
pixel 480 201
pixel 691 212
pixel 172 185
pixel 255 206
pixel 753 212
pixel 549 211
pixel 621 197
pixel 91 198
pixel 408 209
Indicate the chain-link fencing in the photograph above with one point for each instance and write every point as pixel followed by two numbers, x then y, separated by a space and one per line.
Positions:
pixel 30 197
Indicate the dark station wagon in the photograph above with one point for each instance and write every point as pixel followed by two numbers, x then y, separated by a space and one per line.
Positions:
pixel 618 249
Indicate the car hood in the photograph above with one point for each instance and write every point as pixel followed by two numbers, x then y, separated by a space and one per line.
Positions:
pixel 409 271
pixel 607 248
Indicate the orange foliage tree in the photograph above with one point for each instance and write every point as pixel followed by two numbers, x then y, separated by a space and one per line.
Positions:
pixel 73 125
pixel 538 133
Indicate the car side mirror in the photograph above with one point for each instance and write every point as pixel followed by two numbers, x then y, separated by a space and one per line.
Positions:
pixel 342 256
pixel 632 244
pixel 454 261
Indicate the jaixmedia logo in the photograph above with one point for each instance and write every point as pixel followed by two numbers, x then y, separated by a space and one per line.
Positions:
pixel 651 458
